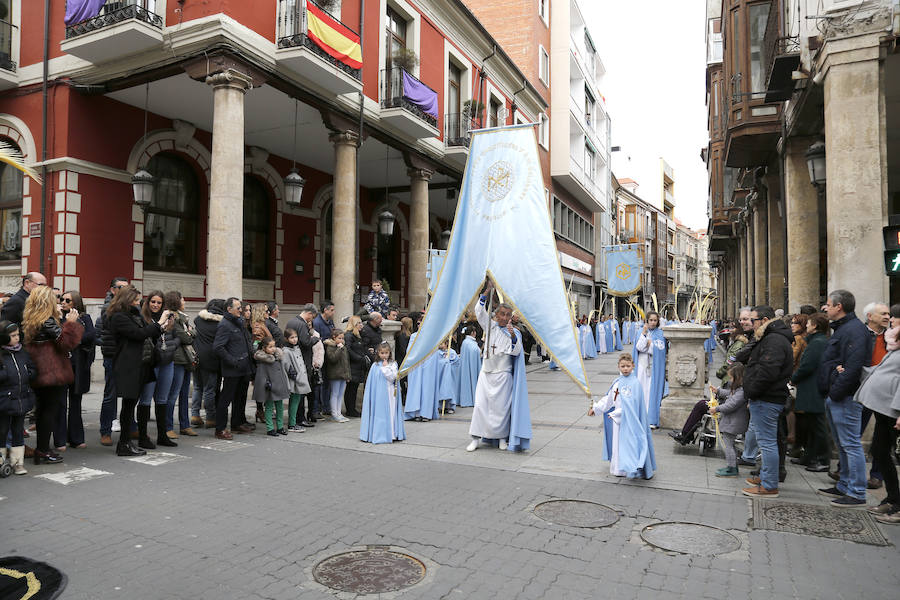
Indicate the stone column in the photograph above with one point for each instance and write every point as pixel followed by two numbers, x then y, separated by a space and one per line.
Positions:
pixel 343 250
pixel 744 244
pixel 856 168
pixel 760 239
pixel 224 263
pixel 418 236
pixel 776 251
pixel 802 207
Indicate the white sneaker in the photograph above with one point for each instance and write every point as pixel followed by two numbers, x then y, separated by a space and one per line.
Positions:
pixel 503 445
pixel 342 419
pixel 116 426
pixel 473 445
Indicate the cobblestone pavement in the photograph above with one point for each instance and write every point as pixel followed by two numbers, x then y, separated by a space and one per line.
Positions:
pixel 250 519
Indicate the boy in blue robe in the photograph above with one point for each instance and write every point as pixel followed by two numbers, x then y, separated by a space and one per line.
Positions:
pixel 421 389
pixel 469 367
pixel 381 421
pixel 628 444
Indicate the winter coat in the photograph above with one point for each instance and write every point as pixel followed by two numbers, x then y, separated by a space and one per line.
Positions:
pixel 809 400
pixel 323 327
pixel 318 355
pixel 14 308
pixel 205 325
pixel 127 330
pixel 107 348
pixel 185 333
pixel 735 416
pixel 168 344
pixel 770 364
pixel 17 370
pixel 232 346
pixel 401 344
pixel 359 359
pixel 276 332
pixel 271 382
pixel 293 357
pixel 798 346
pixel 733 349
pixel 371 337
pixel 337 361
pixel 83 356
pixel 50 350
pixel 880 388
pixel 259 332
pixel 850 346
pixel 305 341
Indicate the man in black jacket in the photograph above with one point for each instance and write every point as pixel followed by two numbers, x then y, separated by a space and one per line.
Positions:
pixel 14 307
pixel 371 333
pixel 207 377
pixel 847 352
pixel 108 351
pixel 770 362
pixel 232 346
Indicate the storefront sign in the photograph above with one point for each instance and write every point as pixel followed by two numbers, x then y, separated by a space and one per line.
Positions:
pixel 570 262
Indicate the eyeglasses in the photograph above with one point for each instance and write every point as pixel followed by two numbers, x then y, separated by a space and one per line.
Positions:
pixel 756 319
pixel 67 300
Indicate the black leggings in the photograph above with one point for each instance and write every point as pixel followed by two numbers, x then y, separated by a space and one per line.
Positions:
pixel 16 424
pixel 126 418
pixel 883 441
pixel 350 398
pixel 47 401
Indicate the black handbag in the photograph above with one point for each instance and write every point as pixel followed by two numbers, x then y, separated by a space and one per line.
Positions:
pixel 292 373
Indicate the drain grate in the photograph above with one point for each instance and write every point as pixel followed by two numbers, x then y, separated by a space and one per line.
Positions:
pixel 819 521
pixel 690 538
pixel 576 513
pixel 370 571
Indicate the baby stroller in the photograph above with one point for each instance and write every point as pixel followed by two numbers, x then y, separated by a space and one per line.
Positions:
pixel 706 434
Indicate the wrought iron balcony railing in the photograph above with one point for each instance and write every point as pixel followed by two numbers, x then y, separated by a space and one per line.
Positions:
pixel 114 12
pixel 6 35
pixel 457 127
pixel 292 33
pixel 394 96
pixel 780 57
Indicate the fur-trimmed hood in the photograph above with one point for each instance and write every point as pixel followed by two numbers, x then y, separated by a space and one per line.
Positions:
pixel 209 316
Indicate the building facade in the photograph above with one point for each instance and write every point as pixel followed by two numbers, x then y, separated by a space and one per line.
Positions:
pixel 802 164
pixel 370 101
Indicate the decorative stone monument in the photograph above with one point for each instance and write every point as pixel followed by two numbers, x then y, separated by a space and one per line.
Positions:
pixel 686 371
pixel 388 330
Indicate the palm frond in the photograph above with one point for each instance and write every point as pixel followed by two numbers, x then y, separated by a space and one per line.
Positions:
pixel 10 155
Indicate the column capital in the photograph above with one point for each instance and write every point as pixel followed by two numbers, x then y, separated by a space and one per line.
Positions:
pixel 347 137
pixel 231 79
pixel 418 173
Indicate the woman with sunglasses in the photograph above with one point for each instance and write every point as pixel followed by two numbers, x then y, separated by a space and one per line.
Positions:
pixel 69 425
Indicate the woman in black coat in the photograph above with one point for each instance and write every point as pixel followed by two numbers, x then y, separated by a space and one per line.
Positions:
pixel 130 334
pixel 69 426
pixel 359 365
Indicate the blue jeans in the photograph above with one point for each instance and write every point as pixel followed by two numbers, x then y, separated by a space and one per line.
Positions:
pixel 764 421
pixel 844 418
pixel 206 386
pixel 175 387
pixel 108 406
pixel 158 390
pixel 751 448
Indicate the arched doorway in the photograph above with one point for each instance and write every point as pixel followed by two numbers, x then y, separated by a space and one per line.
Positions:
pixel 171 220
pixel 11 182
pixel 257 221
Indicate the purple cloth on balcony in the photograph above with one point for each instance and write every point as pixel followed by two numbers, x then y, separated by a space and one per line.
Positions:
pixel 82 10
pixel 420 94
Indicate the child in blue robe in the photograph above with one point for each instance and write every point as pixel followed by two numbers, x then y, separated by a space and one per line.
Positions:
pixel 628 444
pixel 469 368
pixel 422 388
pixel 381 421
pixel 448 384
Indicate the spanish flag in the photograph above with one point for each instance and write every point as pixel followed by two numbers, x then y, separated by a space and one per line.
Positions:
pixel 333 37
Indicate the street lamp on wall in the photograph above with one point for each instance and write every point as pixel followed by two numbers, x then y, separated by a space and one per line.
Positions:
pixel 386 223
pixel 815 162
pixel 142 184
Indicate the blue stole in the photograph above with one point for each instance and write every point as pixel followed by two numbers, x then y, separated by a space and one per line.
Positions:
pixel 659 387
pixel 636 455
pixel 422 387
pixel 470 367
pixel 375 421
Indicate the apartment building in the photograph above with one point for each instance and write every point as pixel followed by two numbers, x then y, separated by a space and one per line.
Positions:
pixel 310 147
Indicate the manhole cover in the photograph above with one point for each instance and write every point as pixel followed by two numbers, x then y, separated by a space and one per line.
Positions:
pixel 821 521
pixel 576 513
pixel 371 571
pixel 690 538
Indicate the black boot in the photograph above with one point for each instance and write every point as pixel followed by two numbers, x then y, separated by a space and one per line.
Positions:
pixel 161 438
pixel 125 447
pixel 143 417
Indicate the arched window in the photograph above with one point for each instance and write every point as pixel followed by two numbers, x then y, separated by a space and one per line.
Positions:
pixel 170 223
pixel 11 180
pixel 256 229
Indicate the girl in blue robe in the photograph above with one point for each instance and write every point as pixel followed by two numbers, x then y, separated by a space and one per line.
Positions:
pixel 617 331
pixel 649 355
pixel 469 368
pixel 448 376
pixel 421 389
pixel 588 348
pixel 610 336
pixel 381 421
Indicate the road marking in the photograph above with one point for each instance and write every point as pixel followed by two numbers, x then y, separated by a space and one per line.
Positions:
pixel 74 476
pixel 224 445
pixel 154 459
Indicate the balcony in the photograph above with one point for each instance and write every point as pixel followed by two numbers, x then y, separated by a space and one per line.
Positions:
pixel 456 136
pixel 408 104
pixel 122 28
pixel 670 249
pixel 582 185
pixel 303 53
pixel 8 77
pixel 780 58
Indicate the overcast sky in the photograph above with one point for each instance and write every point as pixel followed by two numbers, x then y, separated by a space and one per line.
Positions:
pixel 654 52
